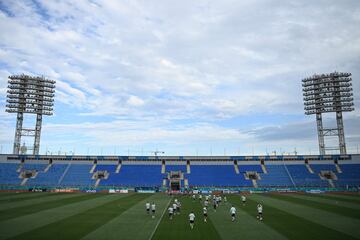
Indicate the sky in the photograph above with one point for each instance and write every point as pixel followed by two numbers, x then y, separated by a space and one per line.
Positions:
pixel 182 77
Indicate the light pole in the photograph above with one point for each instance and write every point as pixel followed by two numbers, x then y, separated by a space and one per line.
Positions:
pixel 29 95
pixel 324 93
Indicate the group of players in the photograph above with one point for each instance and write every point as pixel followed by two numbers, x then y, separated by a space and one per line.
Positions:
pixel 151 206
pixel 175 207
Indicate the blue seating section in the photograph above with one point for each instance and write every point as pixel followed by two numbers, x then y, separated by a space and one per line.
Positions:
pixel 176 168
pixel 323 167
pixel 250 168
pixel 49 178
pixel 276 177
pixel 216 175
pixel 78 175
pixel 303 178
pixel 8 174
pixel 201 175
pixel 109 168
pixel 350 175
pixel 135 176
pixel 34 166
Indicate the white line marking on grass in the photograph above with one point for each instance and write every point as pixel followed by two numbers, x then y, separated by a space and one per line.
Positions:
pixel 152 234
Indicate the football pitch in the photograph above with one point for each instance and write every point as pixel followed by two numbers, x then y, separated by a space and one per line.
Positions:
pixel 123 216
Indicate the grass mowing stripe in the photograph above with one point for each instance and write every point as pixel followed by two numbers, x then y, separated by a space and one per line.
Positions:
pixel 291 225
pixel 158 222
pixel 21 197
pixel 48 198
pixel 29 222
pixel 315 198
pixel 133 224
pixel 347 212
pixel 246 225
pixel 9 194
pixel 330 220
pixel 209 223
pixel 79 225
pixel 351 199
pixel 354 196
pixel 179 228
pixel 25 210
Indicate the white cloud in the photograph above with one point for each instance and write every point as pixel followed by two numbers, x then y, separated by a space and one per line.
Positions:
pixel 135 101
pixel 195 61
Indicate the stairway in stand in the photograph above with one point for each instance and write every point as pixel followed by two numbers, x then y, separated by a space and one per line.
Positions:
pixel 254 183
pixel 188 171
pixel 23 182
pixel 118 168
pixel 97 182
pixel 264 168
pixel 93 168
pixel 163 167
pixel 309 168
pixel 236 167
pixel 338 169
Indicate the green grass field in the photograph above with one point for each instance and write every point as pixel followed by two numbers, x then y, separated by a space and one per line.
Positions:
pixel 123 216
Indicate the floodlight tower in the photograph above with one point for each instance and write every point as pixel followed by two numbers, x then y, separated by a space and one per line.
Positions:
pixel 33 95
pixel 328 93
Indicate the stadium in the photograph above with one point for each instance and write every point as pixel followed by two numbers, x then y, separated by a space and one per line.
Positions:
pixel 73 195
pixel 170 194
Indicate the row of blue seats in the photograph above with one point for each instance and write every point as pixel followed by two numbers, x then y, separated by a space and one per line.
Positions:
pixel 350 175
pixel 132 175
pixel 201 175
pixel 216 175
pixel 8 174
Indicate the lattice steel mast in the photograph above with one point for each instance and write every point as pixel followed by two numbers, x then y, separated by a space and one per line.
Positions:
pixel 329 93
pixel 34 95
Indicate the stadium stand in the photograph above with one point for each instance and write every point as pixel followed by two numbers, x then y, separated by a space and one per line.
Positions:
pixel 68 172
pixel 303 178
pixel 34 166
pixel 135 176
pixel 321 167
pixel 350 175
pixel 216 175
pixel 77 175
pixel 176 168
pixel 277 176
pixel 8 174
pixel 49 178
pixel 250 168
pixel 109 168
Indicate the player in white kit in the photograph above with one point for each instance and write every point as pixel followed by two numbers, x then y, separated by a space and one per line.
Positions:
pixel 147 206
pixel 243 199
pixel 192 219
pixel 175 208
pixel 205 214
pixel 260 212
pixel 214 205
pixel 171 212
pixel 233 213
pixel 153 208
pixel 206 203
